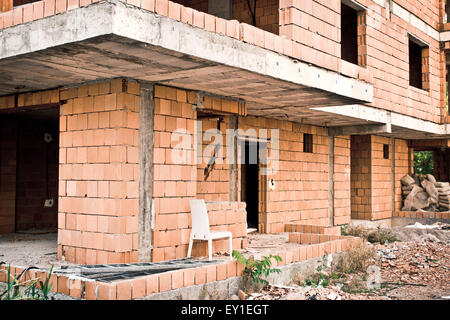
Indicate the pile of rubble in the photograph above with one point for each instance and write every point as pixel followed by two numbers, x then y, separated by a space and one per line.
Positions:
pixel 416 263
pixel 276 292
pixel 408 270
pixel 425 193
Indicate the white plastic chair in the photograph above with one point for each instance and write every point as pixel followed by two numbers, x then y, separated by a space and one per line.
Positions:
pixel 200 228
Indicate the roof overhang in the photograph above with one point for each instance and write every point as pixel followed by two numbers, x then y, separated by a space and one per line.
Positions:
pixel 386 123
pixel 111 39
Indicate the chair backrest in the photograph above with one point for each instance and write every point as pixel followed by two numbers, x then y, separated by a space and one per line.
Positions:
pixel 200 220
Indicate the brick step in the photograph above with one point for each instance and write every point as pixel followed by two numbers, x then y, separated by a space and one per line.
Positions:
pixel 422 215
pixel 312 238
pixel 303 228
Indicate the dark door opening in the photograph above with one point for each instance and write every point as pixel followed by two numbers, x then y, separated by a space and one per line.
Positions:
pixel 29 162
pixel 250 166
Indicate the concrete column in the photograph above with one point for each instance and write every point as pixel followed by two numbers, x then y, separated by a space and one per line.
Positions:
pixel 393 174
pixel 146 172
pixel 234 166
pixel 331 180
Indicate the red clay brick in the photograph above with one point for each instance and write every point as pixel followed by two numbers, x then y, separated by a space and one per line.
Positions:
pixel 189 277
pixel 124 290
pixel 107 291
pixel 200 275
pixel 90 290
pixel 63 285
pixel 162 7
pixel 165 282
pixel 138 289
pixel 221 271
pixel 152 284
pixel 75 288
pixel 177 279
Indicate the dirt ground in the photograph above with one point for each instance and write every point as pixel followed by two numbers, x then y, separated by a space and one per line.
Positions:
pixel 38 249
pixel 415 268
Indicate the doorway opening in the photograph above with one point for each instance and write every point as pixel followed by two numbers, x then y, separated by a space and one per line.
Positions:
pixel 29 170
pixel 251 180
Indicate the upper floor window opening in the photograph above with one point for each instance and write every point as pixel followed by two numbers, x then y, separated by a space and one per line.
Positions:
pixel 353 33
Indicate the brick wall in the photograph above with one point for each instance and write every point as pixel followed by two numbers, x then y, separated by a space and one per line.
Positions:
pixel 32 180
pixel 217 185
pixel 314 26
pixel 387 59
pixel 99 173
pixel 361 202
pixel 301 192
pixel 383 46
pixel 342 181
pixel 174 182
pixel 267 15
pixel 427 10
pixel 8 149
pixel 372 176
pixel 178 181
pixel 381 175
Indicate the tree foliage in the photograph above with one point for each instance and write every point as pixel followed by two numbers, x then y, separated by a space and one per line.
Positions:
pixel 423 162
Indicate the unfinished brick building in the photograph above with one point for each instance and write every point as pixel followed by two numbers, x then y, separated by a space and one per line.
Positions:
pixel 93 95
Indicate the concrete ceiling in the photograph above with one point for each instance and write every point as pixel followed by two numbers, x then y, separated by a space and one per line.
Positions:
pixel 110 39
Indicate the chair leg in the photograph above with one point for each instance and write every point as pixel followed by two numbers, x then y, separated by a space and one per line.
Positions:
pixel 191 241
pixel 231 248
pixel 210 249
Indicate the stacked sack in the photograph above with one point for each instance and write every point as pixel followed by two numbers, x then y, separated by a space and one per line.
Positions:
pixel 444 195
pixel 407 185
pixel 420 193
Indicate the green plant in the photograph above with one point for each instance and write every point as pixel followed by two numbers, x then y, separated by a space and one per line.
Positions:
pixel 30 292
pixel 46 286
pixel 423 162
pixel 318 278
pixel 257 269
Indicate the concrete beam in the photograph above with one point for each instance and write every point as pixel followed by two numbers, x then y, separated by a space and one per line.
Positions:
pixel 357 130
pixel 331 180
pixel 234 173
pixel 403 126
pixel 393 177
